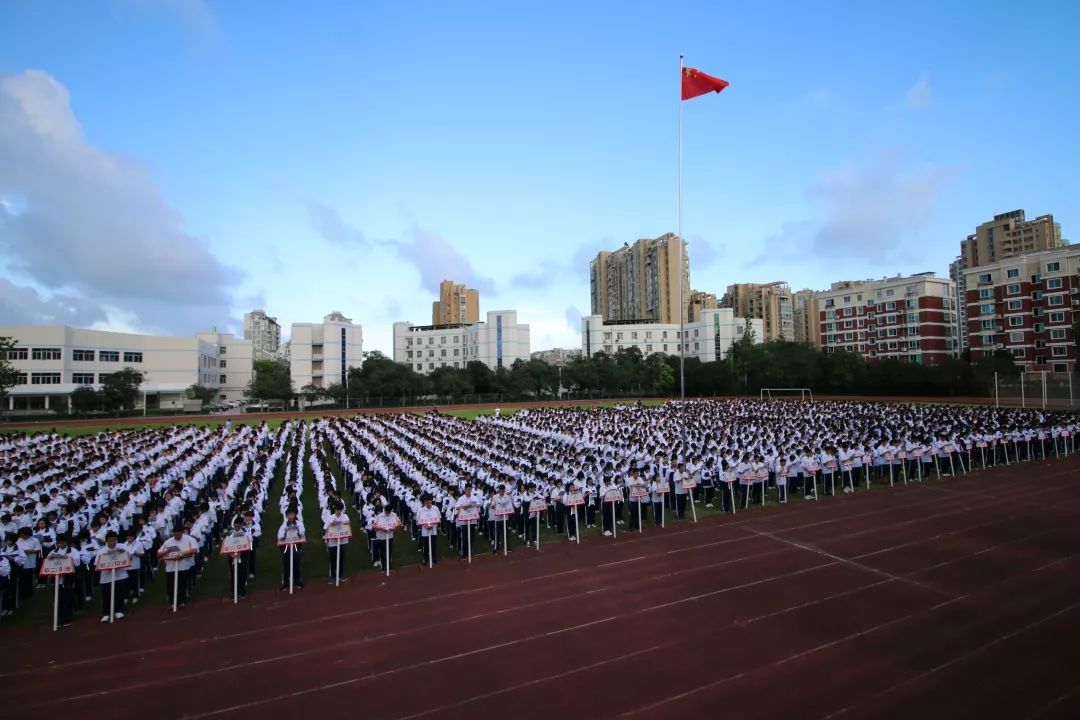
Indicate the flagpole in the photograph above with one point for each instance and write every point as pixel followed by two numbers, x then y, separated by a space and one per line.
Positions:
pixel 682 253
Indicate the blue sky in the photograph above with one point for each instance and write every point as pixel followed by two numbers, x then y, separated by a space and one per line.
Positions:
pixel 167 165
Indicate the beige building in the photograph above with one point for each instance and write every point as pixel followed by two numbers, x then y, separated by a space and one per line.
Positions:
pixel 321 354
pixel 457 305
pixel 52 361
pixel 700 301
pixel 770 302
pixel 641 281
pixel 804 315
pixel 263 331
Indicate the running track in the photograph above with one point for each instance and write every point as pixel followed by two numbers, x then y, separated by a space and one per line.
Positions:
pixel 954 598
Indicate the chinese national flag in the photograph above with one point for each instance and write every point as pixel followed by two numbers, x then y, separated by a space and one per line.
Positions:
pixel 695 82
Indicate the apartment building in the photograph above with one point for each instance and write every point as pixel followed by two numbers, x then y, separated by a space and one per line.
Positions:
pixel 804 315
pixel 498 342
pixel 699 301
pixel 1026 305
pixel 263 331
pixel 772 303
pixel 321 354
pixel 910 319
pixel 708 338
pixel 641 281
pixel 457 305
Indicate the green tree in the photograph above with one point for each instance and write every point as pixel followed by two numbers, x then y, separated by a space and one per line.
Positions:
pixel 120 390
pixel 480 376
pixel 8 374
pixel 201 393
pixel 269 381
pixel 85 400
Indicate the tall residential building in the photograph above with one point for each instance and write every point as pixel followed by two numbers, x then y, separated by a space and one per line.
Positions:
pixel 457 305
pixel 770 302
pixel 52 361
pixel 708 338
pixel 321 354
pixel 911 319
pixel 641 281
pixel 1007 235
pixel 499 342
pixel 699 301
pixel 263 331
pixel 1026 305
pixel 804 315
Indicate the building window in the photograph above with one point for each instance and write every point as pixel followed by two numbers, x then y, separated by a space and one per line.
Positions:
pixel 984 279
pixel 1018 352
pixel 221 379
pixel 847 312
pixel 17 354
pixel 1053 283
pixel 82 378
pixel 1016 321
pixel 221 363
pixel 221 351
pixel 20 378
pixel 1057 317
pixel 1016 337
pixel 109 356
pixel 1057 334
pixel 1012 272
pixel 1061 367
pixel 1015 305
pixel 44 378
pixel 1053 267
pixel 103 376
pixel 45 354
pixel 1055 300
pixel 1013 289
pixel 82 356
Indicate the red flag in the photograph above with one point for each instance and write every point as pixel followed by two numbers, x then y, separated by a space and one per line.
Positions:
pixel 695 82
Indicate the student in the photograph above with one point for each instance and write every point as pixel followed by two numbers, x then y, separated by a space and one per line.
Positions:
pixel 502 506
pixel 16 559
pixel 336 519
pixel 292 529
pixel 28 572
pixel 107 578
pixel 5 581
pixel 136 550
pixel 384 532
pixel 239 567
pixel 66 600
pixel 465 503
pixel 428 518
pixel 179 553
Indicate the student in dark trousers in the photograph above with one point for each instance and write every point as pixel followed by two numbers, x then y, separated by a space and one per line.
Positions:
pixel 240 567
pixel 179 552
pixel 291 530
pixel 106 578
pixel 66 601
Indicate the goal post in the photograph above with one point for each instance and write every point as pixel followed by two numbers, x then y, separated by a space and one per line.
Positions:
pixel 786 394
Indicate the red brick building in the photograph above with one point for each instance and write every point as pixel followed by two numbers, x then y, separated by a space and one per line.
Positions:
pixel 910 319
pixel 1026 305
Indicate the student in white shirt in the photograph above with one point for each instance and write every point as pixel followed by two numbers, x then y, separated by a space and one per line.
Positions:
pixel 106 578
pixel 428 518
pixel 384 535
pixel 336 518
pixel 292 529
pixel 179 553
pixel 66 599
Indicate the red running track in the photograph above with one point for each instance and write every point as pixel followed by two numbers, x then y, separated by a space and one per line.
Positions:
pixel 955 598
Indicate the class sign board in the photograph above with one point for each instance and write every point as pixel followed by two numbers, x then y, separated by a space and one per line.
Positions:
pixel 338 531
pixel 638 491
pixel 235 544
pixel 468 514
pixel 292 537
pixel 574 499
pixel 113 560
pixel 56 565
pixel 613 496
pixel 385 526
pixel 689 484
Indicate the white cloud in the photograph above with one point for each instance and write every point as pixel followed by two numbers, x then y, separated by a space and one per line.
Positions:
pixel 91 224
pixel 437 260
pixel 871 212
pixel 918 95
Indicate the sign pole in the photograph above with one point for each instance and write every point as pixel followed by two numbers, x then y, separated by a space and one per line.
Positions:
pixel 235 579
pixel 337 566
pixel 537 531
pixel 292 562
pixel 468 530
pixel 112 597
pixel 175 584
pixel 614 525
pixel 56 603
pixel 504 536
pixel 639 529
pixel 662 514
pixel 430 556
pixel 693 507
pixel 577 526
pixel 386 546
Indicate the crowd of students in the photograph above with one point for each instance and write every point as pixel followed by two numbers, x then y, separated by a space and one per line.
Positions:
pixel 166 496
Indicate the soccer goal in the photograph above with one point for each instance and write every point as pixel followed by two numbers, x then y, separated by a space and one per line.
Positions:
pixel 786 394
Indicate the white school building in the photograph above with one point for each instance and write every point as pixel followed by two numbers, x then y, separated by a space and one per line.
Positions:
pixel 320 354
pixel 707 339
pixel 53 360
pixel 499 342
